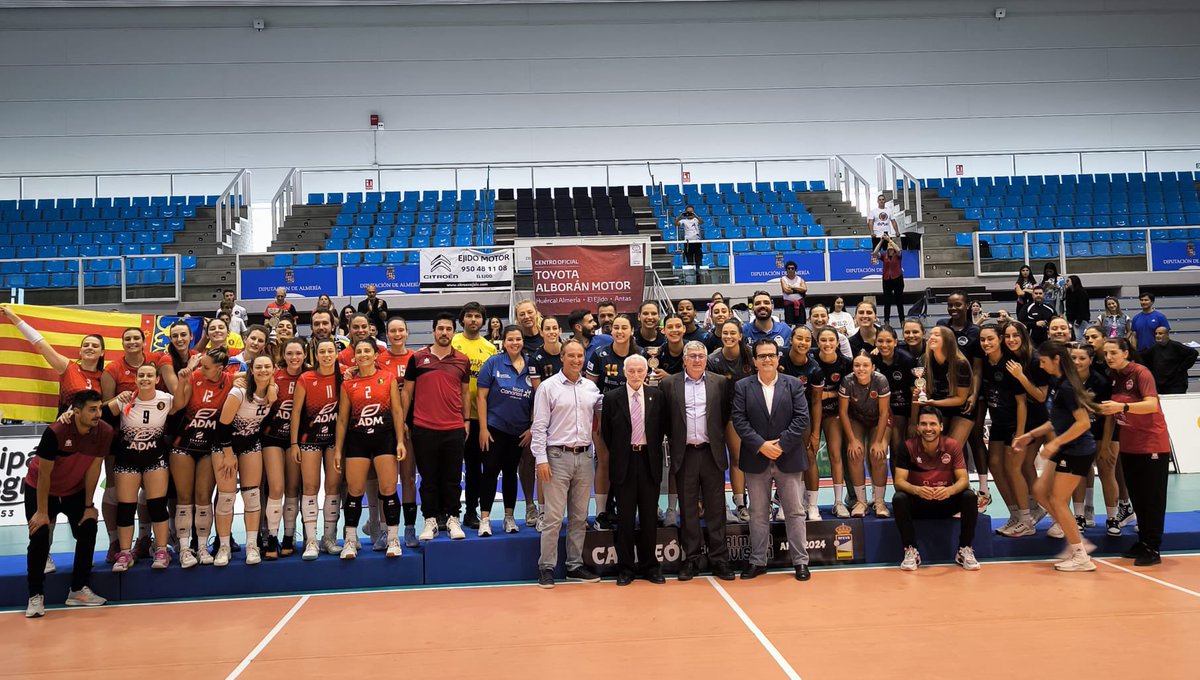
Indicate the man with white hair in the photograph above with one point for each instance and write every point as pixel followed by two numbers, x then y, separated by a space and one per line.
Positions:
pixel 631 423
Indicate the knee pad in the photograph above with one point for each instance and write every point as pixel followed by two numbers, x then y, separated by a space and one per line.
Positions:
pixel 126 513
pixel 224 504
pixel 110 495
pixel 252 498
pixel 158 509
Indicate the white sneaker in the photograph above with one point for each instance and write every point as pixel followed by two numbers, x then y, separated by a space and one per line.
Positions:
pixel 912 559
pixel 204 556
pixel 1055 531
pixel 1019 529
pixel 1089 516
pixel 1008 525
pixel 330 545
pixel 84 597
pixel 430 531
pixel 881 508
pixel 349 550
pixel 840 511
pixel 187 558
pixel 1078 561
pixel 743 515
pixel 253 556
pixel 1065 553
pixel 814 513
pixel 222 557
pixel 966 559
pixel 859 509
pixel 532 515
pixel 162 558
pixel 671 518
pixel 50 566
pixel 36 607
pixel 510 526
pixel 393 547
pixel 454 528
pixel 485 527
pixel 730 516
pixel 311 551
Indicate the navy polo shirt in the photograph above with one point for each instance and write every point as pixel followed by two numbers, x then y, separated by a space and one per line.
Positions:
pixel 510 394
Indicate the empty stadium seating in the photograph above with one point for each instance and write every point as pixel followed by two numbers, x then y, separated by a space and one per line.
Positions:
pixel 412 219
pixel 567 212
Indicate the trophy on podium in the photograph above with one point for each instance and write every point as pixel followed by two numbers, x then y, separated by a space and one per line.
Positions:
pixel 919 383
pixel 652 362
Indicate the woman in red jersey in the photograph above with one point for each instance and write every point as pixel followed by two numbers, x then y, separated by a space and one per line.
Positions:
pixel 314 418
pixel 369 419
pixel 282 472
pixel 285 331
pixel 203 389
pixel 217 337
pixel 395 360
pixel 179 355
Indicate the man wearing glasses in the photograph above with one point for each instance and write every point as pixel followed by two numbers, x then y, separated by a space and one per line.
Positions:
pixel 697 405
pixel 770 414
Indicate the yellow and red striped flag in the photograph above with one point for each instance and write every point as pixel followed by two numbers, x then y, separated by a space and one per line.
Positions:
pixel 28 386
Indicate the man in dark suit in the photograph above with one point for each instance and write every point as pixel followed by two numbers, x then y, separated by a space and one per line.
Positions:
pixel 770 414
pixel 697 412
pixel 631 424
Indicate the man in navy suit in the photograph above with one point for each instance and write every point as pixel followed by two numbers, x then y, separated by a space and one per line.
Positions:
pixel 770 414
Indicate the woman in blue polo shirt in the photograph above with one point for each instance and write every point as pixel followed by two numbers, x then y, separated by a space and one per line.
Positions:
pixel 505 405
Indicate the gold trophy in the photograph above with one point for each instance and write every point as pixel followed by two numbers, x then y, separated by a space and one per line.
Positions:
pixel 919 383
pixel 652 362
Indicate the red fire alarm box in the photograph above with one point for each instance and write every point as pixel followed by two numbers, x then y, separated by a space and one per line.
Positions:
pixel 374 120
pixel 370 185
pixel 687 176
pixel 958 169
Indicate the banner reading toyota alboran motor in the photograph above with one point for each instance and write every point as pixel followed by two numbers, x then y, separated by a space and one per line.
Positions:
pixel 566 278
pixel 465 269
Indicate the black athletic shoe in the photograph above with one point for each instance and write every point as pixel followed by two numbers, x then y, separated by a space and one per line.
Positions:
pixel 287 546
pixel 582 574
pixel 1134 551
pixel 233 546
pixel 604 522
pixel 1149 558
pixel 546 578
pixel 271 551
pixel 625 577
pixel 471 520
pixel 753 571
pixel 655 576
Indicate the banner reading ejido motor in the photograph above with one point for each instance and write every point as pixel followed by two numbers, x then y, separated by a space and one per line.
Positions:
pixel 566 278
pixel 465 269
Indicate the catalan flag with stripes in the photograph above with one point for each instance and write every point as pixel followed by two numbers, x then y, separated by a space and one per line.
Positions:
pixel 28 386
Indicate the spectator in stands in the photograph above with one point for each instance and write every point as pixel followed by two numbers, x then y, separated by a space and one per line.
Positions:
pixel 1077 306
pixel 1037 317
pixel 839 318
pixel 931 482
pixel 495 333
pixel 881 223
pixel 1052 287
pixel 689 232
pixel 278 307
pixel 794 289
pixel 343 326
pixel 237 324
pixel 229 296
pixel 764 324
pixel 326 303
pixel 1113 323
pixel 1146 322
pixel 1023 288
pixel 1169 362
pixel 893 281
pixel 605 313
pixel 978 316
pixel 374 307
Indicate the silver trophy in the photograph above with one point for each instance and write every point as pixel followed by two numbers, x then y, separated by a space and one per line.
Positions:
pixel 652 362
pixel 919 383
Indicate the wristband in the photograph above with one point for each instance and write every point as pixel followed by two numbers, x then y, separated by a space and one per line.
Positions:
pixel 30 333
pixel 1125 409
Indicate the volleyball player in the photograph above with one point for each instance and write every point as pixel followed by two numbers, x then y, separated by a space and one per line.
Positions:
pixel 141 462
pixel 1069 446
pixel 864 407
pixel 732 359
pixel 1108 463
pixel 217 337
pixel 238 459
pixel 914 337
pixel 606 368
pixel 834 368
pixel 1059 330
pixel 1004 399
pixel 799 363
pixel 179 355
pixel 314 418
pixel 285 330
pixel 896 364
pixel 863 339
pixel 360 329
pixel 276 440
pixel 718 314
pixel 395 360
pixel 1100 390
pixel 256 337
pixel 204 390
pixel 505 404
pixel 370 433
pixel 1025 367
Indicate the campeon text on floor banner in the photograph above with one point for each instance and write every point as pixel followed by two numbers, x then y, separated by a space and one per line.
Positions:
pixel 566 278
pixel 465 269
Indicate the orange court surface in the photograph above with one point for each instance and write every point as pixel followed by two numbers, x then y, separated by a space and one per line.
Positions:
pixel 1012 619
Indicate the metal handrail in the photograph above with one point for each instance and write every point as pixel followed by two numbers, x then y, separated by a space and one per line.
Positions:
pixel 854 187
pixel 97 176
pixel 80 270
pixel 1080 153
pixel 886 167
pixel 283 201
pixel 229 207
pixel 1062 242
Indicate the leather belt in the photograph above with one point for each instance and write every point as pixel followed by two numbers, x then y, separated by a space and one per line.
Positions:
pixel 571 449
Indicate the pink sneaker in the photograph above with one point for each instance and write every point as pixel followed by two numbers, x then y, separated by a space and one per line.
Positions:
pixel 162 559
pixel 124 560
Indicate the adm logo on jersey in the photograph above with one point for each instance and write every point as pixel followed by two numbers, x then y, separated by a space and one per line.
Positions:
pixel 370 418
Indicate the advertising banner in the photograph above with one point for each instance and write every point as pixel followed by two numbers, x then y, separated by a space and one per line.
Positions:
pixel 566 278
pixel 387 278
pixel 1182 413
pixel 304 282
pixel 768 267
pixel 856 264
pixel 1173 256
pixel 464 269
pixel 15 454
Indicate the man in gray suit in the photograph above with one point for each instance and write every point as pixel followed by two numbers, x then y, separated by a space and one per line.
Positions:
pixel 697 404
pixel 770 414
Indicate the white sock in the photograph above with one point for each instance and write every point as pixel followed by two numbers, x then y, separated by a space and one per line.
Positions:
pixel 309 512
pixel 601 502
pixel 1078 505
pixel 351 534
pixel 673 501
pixel 224 541
pixel 1025 516
pixel 880 492
pixel 373 504
pixel 739 500
pixel 204 522
pixel 274 514
pixel 810 498
pixel 1077 548
pixel 333 511
pixel 983 482
pixel 291 508
pixel 860 493
pixel 393 532
pixel 252 538
pixel 1110 511
pixel 183 525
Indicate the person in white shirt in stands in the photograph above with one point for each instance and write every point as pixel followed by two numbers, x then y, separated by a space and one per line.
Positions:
pixel 689 231
pixel 564 408
pixel 228 296
pixel 881 222
pixel 794 289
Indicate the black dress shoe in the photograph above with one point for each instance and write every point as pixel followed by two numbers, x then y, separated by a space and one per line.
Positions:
pixel 723 571
pixel 688 571
pixel 655 576
pixel 802 573
pixel 624 578
pixel 1149 558
pixel 753 571
pixel 1134 551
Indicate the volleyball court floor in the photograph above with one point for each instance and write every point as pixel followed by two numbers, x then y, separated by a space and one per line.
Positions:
pixel 1011 619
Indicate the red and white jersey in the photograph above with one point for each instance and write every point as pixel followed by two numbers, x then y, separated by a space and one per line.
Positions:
pixel 199 431
pixel 346 356
pixel 124 375
pixel 144 424
pixel 370 402
pixel 396 364
pixel 320 407
pixel 251 412
pixel 279 424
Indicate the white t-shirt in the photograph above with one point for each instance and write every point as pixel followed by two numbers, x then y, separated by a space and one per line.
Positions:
pixel 691 228
pixel 790 283
pixel 881 222
pixel 841 321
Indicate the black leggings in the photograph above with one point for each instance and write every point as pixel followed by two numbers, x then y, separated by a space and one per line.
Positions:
pixel 907 507
pixel 39 542
pixel 1146 477
pixel 503 456
pixel 893 294
pixel 473 467
pixel 440 462
pixel 693 254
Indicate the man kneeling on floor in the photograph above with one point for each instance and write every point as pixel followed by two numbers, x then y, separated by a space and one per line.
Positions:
pixel 931 483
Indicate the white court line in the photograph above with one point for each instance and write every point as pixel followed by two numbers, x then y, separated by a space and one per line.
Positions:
pixel 1160 582
pixel 762 639
pixel 267 640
